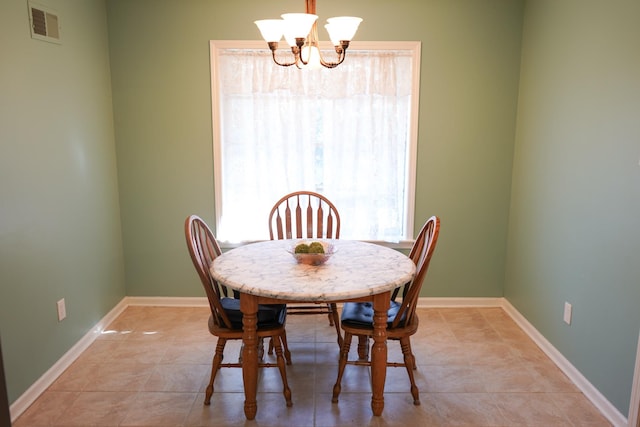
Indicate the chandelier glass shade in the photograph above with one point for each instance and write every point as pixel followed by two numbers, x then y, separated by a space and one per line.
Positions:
pixel 301 33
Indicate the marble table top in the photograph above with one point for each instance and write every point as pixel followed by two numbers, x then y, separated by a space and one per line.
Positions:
pixel 357 269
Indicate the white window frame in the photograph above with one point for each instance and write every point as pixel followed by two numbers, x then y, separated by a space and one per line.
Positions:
pixel 412 152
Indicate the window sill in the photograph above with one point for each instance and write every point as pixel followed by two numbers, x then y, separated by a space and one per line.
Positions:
pixel 401 245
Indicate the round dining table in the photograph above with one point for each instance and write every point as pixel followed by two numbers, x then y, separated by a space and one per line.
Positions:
pixel 267 273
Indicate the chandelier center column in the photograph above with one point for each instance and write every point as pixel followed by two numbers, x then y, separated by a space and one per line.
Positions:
pixel 311 7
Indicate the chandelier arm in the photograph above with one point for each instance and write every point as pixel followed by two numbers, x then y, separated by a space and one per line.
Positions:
pixel 310 41
pixel 274 46
pixel 298 53
pixel 342 53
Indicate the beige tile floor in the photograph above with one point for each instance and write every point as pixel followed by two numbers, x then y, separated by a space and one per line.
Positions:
pixel 475 368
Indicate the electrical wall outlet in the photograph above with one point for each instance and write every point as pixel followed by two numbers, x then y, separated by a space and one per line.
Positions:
pixel 567 313
pixel 62 310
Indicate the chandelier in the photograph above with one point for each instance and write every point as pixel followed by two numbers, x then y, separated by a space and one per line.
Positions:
pixel 300 30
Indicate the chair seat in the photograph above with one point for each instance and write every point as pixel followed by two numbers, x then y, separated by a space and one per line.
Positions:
pixel 360 314
pixel 269 315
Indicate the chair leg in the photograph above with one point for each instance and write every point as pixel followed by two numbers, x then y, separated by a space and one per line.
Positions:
pixel 410 363
pixel 331 308
pixel 344 355
pixel 285 346
pixel 260 348
pixel 335 321
pixel 215 367
pixel 283 372
pixel 363 347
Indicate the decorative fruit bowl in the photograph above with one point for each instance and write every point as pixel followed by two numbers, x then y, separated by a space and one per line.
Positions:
pixel 311 252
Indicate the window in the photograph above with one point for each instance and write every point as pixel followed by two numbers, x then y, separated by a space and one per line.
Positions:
pixel 349 133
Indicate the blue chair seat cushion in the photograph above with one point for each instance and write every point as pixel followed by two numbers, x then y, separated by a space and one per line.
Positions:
pixel 269 315
pixel 360 314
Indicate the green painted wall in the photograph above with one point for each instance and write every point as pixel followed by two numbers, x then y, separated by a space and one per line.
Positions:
pixel 161 92
pixel 566 231
pixel 60 234
pixel 573 233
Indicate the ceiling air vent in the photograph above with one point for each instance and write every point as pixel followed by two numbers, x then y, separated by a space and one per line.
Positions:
pixel 45 24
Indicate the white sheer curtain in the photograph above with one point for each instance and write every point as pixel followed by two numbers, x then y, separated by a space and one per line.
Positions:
pixel 342 132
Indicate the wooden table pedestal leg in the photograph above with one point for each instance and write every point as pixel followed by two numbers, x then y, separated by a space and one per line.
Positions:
pixel 379 351
pixel 249 308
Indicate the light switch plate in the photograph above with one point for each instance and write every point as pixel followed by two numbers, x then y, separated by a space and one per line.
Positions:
pixel 567 313
pixel 62 310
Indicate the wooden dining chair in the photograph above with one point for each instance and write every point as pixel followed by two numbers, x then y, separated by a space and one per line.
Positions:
pixel 225 321
pixel 307 215
pixel 402 320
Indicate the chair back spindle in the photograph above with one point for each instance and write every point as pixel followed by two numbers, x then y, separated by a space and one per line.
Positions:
pixel 304 214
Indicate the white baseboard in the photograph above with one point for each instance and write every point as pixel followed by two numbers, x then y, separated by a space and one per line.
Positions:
pixel 28 397
pixel 168 301
pixel 429 302
pixel 607 409
pixel 599 401
pixel 634 405
pixel 37 388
